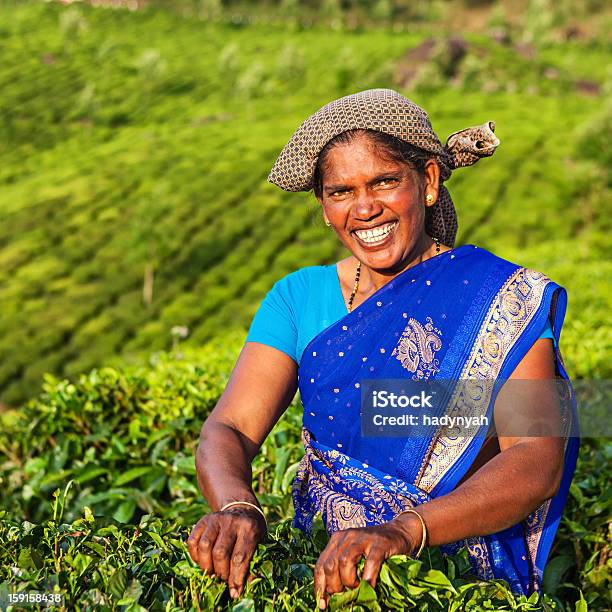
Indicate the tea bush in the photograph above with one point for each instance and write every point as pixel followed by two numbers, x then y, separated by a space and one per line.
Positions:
pixel 101 565
pixel 125 440
pixel 128 442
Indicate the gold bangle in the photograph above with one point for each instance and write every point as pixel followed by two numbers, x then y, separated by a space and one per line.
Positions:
pixel 246 503
pixel 424 538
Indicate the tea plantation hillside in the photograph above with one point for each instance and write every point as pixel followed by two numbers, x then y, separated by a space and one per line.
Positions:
pixel 134 150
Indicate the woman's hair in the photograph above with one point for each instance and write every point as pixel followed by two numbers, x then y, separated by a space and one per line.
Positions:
pixel 389 146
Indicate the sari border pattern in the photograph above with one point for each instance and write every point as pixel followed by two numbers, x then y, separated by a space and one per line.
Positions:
pixel 510 312
pixel 512 309
pixel 534 523
pixel 347 496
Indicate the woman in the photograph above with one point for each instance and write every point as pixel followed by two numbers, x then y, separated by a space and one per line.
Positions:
pixel 404 304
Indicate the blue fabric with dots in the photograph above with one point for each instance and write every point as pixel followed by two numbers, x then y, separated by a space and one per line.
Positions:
pixel 439 306
pixel 301 305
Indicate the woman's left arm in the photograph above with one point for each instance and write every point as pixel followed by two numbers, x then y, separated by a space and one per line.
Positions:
pixel 504 491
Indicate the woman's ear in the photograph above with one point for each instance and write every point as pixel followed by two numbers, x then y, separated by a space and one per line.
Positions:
pixel 320 200
pixel 431 182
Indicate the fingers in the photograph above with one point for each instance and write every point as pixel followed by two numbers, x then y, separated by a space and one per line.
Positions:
pixel 201 541
pixel 336 568
pixel 241 558
pixel 320 587
pixel 205 547
pixel 347 565
pixel 222 552
pixel 373 562
pixel 222 544
pixel 194 538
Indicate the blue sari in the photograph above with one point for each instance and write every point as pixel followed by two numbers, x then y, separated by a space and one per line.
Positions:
pixel 464 314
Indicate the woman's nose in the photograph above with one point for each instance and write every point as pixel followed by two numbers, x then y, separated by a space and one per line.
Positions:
pixel 366 206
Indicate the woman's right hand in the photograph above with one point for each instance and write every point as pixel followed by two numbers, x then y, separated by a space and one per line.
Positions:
pixel 261 386
pixel 223 544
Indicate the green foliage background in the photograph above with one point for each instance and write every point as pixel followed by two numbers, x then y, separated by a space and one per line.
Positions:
pixel 126 439
pixel 141 140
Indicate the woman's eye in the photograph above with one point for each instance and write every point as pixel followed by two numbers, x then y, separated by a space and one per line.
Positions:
pixel 387 182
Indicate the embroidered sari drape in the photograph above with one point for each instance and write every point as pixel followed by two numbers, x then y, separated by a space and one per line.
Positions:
pixel 464 314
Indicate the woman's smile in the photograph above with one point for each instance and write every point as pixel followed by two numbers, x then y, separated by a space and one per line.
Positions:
pixel 376 237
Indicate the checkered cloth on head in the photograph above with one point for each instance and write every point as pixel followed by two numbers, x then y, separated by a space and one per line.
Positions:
pixel 386 111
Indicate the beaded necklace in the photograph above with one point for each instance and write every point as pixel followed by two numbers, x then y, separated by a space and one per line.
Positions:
pixel 358 273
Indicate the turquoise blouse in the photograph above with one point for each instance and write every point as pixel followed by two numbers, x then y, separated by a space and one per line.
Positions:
pixel 301 305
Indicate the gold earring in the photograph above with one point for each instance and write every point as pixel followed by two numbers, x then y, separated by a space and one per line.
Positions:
pixel 429 198
pixel 327 223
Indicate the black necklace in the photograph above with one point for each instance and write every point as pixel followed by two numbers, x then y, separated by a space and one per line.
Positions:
pixel 358 273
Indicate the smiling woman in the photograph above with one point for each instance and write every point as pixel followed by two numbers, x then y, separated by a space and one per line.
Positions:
pixel 406 304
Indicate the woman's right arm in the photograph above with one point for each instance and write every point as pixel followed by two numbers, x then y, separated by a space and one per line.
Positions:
pixel 260 388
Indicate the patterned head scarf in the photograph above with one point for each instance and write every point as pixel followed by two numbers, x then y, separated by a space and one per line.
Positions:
pixel 385 110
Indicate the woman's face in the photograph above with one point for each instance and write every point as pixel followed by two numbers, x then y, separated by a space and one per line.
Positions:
pixel 375 205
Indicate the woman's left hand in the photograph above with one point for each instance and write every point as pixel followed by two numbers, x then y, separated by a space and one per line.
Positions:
pixel 336 568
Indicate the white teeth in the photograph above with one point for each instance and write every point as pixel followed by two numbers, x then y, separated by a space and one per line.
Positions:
pixel 377 234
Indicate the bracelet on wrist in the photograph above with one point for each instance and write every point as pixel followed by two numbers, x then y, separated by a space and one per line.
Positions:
pixel 245 503
pixel 424 529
